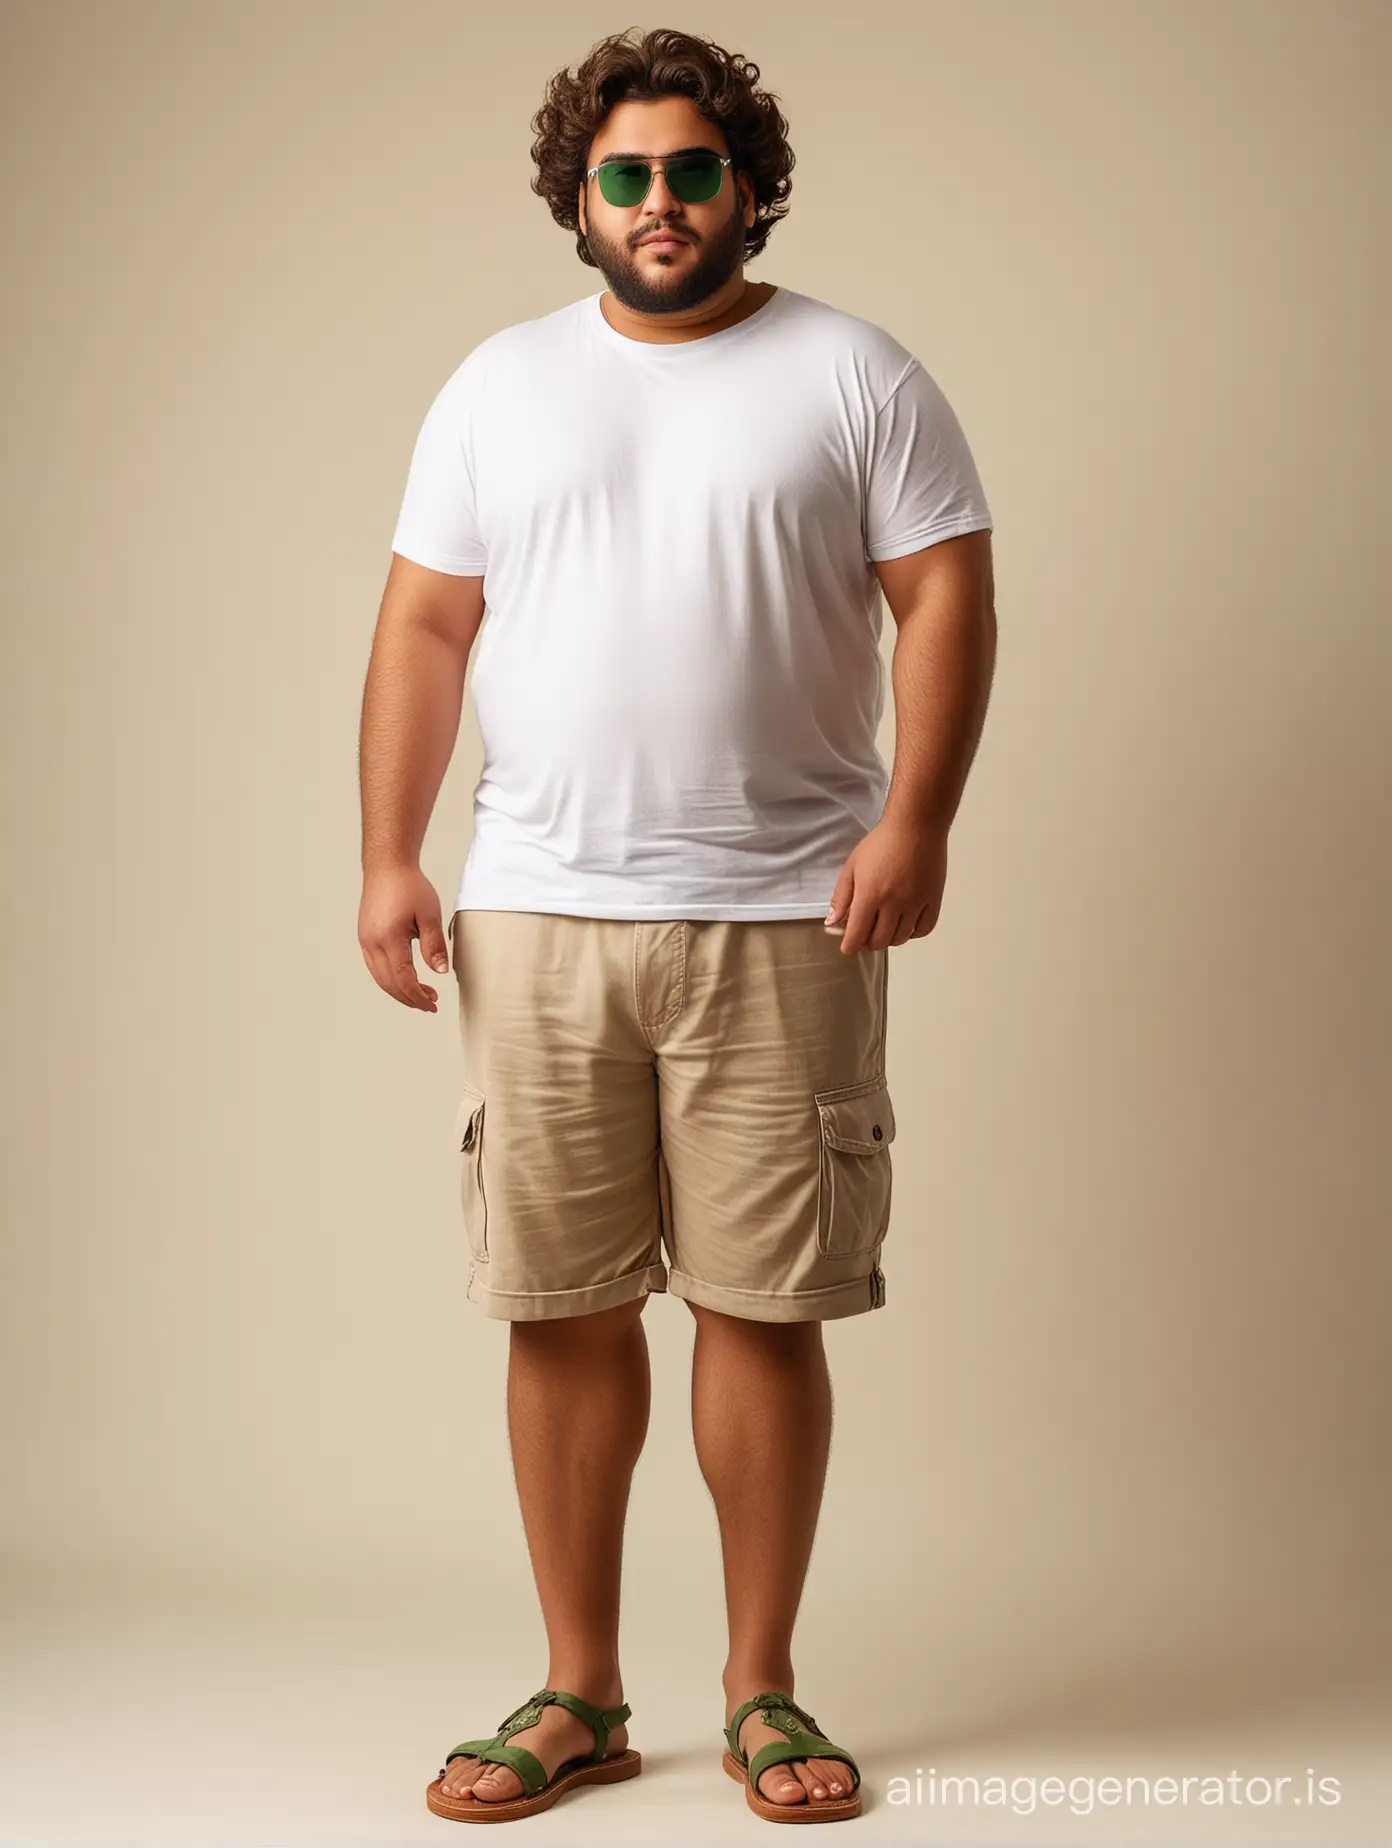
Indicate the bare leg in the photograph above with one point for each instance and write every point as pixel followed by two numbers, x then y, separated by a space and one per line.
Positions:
pixel 761 1409
pixel 579 1392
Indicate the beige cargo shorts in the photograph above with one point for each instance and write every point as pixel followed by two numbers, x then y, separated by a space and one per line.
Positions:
pixel 709 1090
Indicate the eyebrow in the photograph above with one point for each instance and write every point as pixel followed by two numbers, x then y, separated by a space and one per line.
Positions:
pixel 627 154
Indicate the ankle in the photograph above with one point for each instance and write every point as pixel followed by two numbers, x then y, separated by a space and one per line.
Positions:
pixel 601 1687
pixel 741 1681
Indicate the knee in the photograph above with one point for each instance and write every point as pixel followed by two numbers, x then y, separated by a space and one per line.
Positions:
pixel 597 1328
pixel 774 1337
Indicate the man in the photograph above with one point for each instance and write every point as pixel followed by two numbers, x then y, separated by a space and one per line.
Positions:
pixel 678 500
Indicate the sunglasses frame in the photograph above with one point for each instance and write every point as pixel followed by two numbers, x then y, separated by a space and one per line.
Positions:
pixel 726 160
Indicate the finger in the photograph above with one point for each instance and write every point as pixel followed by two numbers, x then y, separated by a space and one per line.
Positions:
pixel 396 973
pixel 383 975
pixel 842 894
pixel 859 925
pixel 893 928
pixel 404 969
pixel 907 922
pixel 432 942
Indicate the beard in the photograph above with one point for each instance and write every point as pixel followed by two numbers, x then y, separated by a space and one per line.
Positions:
pixel 658 285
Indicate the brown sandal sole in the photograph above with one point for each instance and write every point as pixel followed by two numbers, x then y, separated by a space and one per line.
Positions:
pixel 478 1809
pixel 813 1810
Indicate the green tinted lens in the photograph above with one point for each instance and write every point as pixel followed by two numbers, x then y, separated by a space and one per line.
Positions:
pixel 692 178
pixel 624 182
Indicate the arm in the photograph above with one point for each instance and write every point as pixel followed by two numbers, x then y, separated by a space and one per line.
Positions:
pixel 943 599
pixel 412 702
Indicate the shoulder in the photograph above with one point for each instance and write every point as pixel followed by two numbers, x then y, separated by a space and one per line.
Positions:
pixel 518 346
pixel 876 359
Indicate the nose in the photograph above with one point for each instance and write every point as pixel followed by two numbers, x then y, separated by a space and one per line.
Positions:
pixel 659 201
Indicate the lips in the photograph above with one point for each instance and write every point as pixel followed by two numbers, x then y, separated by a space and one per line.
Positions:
pixel 661 237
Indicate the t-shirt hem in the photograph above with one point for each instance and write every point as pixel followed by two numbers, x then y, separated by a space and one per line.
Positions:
pixel 435 560
pixel 931 535
pixel 708 910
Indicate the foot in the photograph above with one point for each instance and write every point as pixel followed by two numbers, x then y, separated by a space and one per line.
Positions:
pixel 558 1735
pixel 799 1780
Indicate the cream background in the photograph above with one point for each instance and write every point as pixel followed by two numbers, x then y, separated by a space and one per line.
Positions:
pixel 1108 1485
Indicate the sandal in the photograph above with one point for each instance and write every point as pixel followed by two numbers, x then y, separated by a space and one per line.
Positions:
pixel 592 1768
pixel 805 1740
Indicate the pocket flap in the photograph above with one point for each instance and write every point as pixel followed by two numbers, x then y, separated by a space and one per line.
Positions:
pixel 860 1118
pixel 468 1120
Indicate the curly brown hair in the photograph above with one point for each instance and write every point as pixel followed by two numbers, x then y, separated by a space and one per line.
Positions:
pixel 663 62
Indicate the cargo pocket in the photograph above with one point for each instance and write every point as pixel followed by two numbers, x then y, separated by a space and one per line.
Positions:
pixel 468 1139
pixel 853 1194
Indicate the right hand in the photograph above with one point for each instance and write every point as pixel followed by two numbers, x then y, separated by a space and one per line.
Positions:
pixel 399 906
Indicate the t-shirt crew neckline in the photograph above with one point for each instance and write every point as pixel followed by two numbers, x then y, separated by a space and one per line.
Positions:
pixel 665 349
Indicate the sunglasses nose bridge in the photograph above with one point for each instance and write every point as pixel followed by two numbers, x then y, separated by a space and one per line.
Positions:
pixel 659 198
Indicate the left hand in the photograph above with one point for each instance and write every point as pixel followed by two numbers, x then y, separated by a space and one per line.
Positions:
pixel 891 886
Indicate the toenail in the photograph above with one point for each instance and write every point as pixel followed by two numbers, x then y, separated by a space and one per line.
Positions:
pixel 817 1791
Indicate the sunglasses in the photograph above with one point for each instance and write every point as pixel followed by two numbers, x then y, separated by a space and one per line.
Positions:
pixel 692 178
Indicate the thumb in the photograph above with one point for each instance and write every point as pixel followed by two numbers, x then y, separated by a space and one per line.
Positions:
pixel 841 897
pixel 432 942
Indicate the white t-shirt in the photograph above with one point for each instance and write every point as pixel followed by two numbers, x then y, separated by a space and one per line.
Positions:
pixel 678 679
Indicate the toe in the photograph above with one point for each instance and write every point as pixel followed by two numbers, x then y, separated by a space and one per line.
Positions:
pixel 499 1784
pixel 779 1785
pixel 831 1775
pixel 811 1780
pixel 459 1775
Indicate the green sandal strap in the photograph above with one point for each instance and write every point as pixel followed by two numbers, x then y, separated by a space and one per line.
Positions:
pixel 805 1738
pixel 529 1768
pixel 527 1765
pixel 600 1719
pixel 768 1701
pixel 801 1745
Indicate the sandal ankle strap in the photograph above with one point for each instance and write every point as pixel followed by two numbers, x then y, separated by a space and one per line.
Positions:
pixel 602 1720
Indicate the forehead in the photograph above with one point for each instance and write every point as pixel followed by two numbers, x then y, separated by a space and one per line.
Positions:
pixel 655 128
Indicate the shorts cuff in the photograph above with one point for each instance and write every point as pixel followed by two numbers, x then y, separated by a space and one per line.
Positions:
pixel 838 1299
pixel 550 1305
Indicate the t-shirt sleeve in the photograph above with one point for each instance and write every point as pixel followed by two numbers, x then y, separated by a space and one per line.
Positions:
pixel 438 521
pixel 922 484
